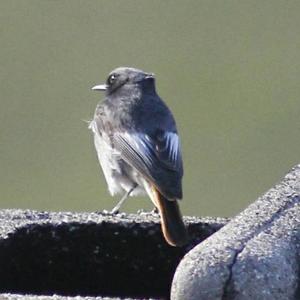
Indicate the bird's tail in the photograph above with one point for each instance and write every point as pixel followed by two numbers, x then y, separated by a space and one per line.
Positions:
pixel 172 224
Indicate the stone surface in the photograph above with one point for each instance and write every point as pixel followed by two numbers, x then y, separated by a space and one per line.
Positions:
pixel 254 256
pixel 53 297
pixel 90 254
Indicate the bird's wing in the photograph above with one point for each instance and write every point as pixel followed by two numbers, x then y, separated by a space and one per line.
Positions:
pixel 157 157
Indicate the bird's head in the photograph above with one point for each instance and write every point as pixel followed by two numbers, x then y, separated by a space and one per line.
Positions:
pixel 125 78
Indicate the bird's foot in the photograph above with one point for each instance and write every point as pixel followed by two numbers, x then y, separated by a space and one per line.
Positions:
pixel 103 212
pixel 115 210
pixel 154 211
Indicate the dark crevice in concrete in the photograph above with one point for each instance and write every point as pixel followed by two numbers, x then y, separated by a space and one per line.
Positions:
pixel 115 256
pixel 228 289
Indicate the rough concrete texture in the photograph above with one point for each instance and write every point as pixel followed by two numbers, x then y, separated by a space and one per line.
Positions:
pixel 90 254
pixel 54 297
pixel 254 256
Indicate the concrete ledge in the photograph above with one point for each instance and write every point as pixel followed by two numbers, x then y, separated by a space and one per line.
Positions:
pixel 103 256
pixel 90 254
pixel 254 256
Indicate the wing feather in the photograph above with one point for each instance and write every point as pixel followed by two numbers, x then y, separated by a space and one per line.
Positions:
pixel 157 157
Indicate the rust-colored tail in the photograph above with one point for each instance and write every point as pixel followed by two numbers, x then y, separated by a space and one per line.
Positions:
pixel 172 224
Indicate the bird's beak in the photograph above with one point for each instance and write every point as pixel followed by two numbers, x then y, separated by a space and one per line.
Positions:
pixel 100 87
pixel 149 75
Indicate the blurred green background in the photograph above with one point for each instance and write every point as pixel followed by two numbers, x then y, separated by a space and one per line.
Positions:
pixel 229 70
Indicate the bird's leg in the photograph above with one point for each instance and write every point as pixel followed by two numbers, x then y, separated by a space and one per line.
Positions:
pixel 116 209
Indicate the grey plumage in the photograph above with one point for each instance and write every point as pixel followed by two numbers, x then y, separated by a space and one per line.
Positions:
pixel 136 137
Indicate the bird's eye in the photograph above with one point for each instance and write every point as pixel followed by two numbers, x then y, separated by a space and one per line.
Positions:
pixel 111 79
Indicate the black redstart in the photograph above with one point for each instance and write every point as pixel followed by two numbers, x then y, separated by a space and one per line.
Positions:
pixel 138 146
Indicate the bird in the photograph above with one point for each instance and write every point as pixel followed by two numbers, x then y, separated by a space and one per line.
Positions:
pixel 138 147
